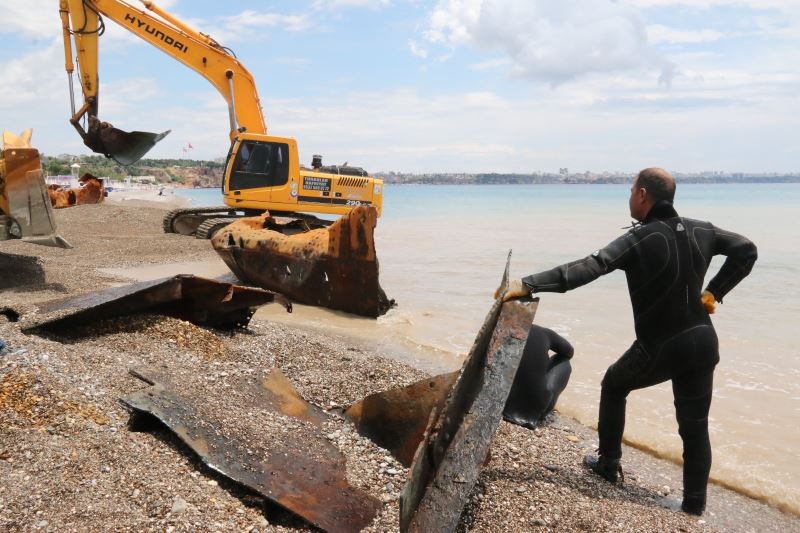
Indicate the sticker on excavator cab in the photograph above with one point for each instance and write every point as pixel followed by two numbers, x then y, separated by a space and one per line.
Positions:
pixel 316 184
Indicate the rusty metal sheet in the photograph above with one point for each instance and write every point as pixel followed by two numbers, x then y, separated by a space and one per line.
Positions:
pixel 23 195
pixel 198 300
pixel 299 470
pixel 448 460
pixel 396 419
pixel 91 191
pixel 334 267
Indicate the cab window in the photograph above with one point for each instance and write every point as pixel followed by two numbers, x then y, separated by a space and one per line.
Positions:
pixel 260 164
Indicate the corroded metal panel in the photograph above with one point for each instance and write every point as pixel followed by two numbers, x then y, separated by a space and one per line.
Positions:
pixel 449 459
pixel 334 267
pixel 396 419
pixel 299 469
pixel 201 301
pixel 24 198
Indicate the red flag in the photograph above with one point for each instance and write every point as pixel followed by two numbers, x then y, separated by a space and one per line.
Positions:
pixel 190 146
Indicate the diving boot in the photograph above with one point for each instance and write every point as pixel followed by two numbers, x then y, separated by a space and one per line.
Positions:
pixel 608 469
pixel 693 504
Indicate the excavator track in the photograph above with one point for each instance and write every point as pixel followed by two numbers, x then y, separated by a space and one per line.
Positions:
pixel 210 227
pixel 186 220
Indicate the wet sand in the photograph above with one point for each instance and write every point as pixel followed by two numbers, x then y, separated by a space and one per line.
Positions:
pixel 72 464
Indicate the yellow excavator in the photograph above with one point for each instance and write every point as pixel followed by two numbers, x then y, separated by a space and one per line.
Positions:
pixel 25 210
pixel 329 264
pixel 263 172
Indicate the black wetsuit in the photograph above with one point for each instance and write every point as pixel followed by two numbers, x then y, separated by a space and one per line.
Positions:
pixel 540 379
pixel 665 260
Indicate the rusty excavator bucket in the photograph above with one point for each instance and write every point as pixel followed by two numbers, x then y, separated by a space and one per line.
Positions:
pixel 123 147
pixel 25 210
pixel 334 267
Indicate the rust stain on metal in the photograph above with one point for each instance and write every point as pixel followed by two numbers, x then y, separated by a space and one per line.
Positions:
pixel 456 442
pixel 281 396
pixel 201 301
pixel 333 267
pixel 302 472
pixel 396 419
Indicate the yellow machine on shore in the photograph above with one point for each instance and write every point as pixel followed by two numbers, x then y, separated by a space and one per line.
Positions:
pixel 263 172
pixel 25 210
pixel 313 261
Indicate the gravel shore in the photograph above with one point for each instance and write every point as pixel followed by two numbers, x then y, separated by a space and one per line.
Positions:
pixel 69 461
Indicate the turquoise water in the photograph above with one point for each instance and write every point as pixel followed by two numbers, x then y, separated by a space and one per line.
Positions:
pixel 442 251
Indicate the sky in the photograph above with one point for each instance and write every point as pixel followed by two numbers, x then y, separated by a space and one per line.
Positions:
pixel 447 85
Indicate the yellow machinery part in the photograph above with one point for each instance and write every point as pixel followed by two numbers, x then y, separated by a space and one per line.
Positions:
pixel 26 211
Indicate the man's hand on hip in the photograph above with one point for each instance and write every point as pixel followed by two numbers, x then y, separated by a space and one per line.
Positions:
pixel 709 302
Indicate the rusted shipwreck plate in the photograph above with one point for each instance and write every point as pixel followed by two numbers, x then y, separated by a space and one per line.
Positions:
pixel 202 301
pixel 396 419
pixel 334 267
pixel 282 455
pixel 449 458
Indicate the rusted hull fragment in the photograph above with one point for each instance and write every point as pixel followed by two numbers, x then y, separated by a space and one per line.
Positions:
pixel 91 191
pixel 299 470
pixel 396 419
pixel 456 442
pixel 334 267
pixel 202 301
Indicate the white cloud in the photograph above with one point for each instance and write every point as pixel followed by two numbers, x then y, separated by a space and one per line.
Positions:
pixel 550 41
pixel 255 19
pixel 416 50
pixel 703 125
pixel 336 4
pixel 33 18
pixel 33 77
pixel 658 33
pixel 492 64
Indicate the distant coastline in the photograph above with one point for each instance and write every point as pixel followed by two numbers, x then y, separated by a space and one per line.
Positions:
pixel 395 178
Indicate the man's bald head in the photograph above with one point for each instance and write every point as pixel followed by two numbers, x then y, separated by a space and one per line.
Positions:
pixel 659 184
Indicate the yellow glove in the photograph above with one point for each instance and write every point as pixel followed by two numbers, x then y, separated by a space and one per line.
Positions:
pixel 516 289
pixel 709 302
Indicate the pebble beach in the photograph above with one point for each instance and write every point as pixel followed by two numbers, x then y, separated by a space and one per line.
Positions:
pixel 70 462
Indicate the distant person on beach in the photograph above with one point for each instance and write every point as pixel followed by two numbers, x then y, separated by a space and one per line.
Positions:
pixel 665 258
pixel 540 377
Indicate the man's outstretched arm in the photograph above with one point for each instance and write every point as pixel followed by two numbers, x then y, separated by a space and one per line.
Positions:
pixel 577 273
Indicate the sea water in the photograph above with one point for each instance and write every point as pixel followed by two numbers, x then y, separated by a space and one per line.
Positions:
pixel 442 250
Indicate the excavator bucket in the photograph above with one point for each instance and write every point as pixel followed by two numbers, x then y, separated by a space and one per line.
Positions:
pixel 25 210
pixel 127 148
pixel 333 267
pixel 123 147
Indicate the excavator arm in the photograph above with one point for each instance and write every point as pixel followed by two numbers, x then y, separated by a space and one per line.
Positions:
pixel 83 25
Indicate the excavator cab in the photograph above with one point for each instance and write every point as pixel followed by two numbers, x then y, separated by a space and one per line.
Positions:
pixel 261 170
pixel 264 173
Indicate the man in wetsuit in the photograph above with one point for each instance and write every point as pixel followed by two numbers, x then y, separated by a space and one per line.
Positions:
pixel 540 378
pixel 665 259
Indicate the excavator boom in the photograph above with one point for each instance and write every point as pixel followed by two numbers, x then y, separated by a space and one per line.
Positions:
pixel 83 25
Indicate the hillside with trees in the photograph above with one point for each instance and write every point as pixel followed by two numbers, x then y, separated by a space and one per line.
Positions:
pixel 175 172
